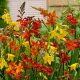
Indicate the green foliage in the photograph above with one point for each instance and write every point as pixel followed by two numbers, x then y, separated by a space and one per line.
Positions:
pixel 3 5
pixel 43 30
pixel 78 30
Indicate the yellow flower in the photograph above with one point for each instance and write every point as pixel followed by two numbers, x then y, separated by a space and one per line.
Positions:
pixel 15 25
pixel 59 33
pixel 48 58
pixel 3 63
pixel 6 17
pixel 10 57
pixel 16 28
pixel 52 49
pixel 26 44
pixel 73 66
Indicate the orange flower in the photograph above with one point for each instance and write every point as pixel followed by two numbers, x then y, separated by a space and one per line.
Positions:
pixel 17 48
pixel 12 43
pixel 43 45
pixel 51 19
pixel 42 11
pixel 35 44
pixel 71 45
pixel 19 68
pixel 4 38
pixel 11 69
pixel 15 70
pixel 17 34
pixel 34 52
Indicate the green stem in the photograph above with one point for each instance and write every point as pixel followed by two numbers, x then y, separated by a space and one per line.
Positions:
pixel 75 34
pixel 3 74
pixel 63 68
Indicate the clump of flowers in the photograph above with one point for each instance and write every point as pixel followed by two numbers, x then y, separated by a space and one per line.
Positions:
pixel 35 49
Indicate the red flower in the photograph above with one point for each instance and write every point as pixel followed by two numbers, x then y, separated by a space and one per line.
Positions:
pixel 4 38
pixel 20 20
pixel 43 45
pixel 26 66
pixel 12 43
pixel 18 76
pixel 16 48
pixel 24 23
pixel 34 44
pixel 71 19
pixel 71 45
pixel 22 27
pixel 11 72
pixel 35 31
pixel 36 24
pixel 34 48
pixel 39 67
pixel 55 44
pixel 26 35
pixel 34 52
pixel 51 18
pixel 64 57
pixel 72 31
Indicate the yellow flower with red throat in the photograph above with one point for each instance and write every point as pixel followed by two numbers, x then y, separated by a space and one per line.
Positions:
pixel 48 58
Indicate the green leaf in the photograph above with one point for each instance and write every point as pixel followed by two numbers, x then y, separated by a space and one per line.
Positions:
pixel 78 30
pixel 58 20
pixel 43 30
pixel 57 60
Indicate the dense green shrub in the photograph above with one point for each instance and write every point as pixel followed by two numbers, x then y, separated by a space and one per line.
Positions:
pixel 3 5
